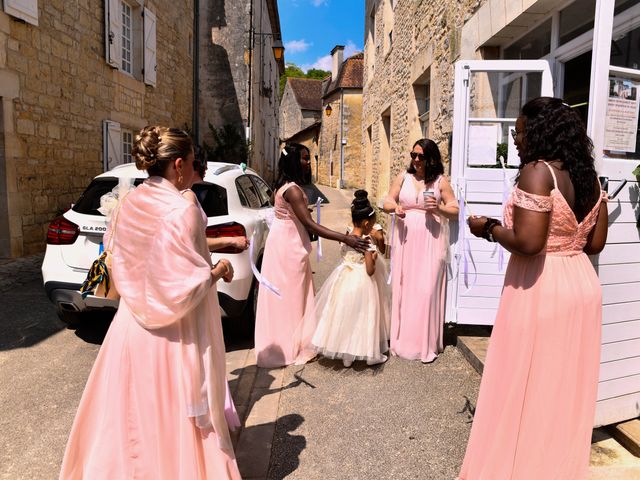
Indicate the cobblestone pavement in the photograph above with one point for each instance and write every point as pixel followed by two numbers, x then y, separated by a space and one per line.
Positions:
pixel 18 271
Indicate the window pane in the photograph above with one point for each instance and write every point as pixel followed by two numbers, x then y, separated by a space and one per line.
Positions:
pixel 251 194
pixel 534 45
pixel 576 19
pixel 625 49
pixel 502 95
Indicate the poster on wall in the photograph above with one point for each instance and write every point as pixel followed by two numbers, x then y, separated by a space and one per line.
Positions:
pixel 621 123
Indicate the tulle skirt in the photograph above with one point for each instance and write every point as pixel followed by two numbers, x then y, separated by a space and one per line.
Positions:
pixel 353 312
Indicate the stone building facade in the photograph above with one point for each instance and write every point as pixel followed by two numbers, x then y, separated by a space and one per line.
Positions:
pixel 300 106
pixel 410 48
pixel 340 157
pixel 72 99
pixel 239 76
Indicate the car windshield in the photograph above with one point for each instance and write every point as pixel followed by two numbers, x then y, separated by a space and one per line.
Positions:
pixel 213 198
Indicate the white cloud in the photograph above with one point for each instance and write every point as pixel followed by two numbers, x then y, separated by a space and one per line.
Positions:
pixel 297 46
pixel 325 62
pixel 317 3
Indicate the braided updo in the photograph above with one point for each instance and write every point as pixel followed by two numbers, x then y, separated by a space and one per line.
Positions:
pixel 156 147
pixel 361 208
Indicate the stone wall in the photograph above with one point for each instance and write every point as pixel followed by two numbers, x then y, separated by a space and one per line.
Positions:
pixel 426 43
pixel 290 113
pixel 330 136
pixel 57 89
pixel 226 56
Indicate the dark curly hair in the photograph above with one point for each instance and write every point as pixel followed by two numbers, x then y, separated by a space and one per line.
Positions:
pixel 290 168
pixel 361 208
pixel 433 167
pixel 554 131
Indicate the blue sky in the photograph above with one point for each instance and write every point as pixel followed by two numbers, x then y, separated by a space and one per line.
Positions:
pixel 311 28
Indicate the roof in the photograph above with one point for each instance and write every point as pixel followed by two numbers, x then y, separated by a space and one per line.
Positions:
pixel 304 130
pixel 308 92
pixel 349 76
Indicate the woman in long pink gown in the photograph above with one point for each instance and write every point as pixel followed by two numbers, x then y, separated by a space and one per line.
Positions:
pixel 153 406
pixel 418 253
pixel 285 325
pixel 537 398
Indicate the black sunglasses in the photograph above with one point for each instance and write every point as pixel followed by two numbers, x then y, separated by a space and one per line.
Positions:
pixel 420 156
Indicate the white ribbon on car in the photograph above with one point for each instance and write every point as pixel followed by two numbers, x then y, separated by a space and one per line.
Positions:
pixel 319 246
pixel 256 272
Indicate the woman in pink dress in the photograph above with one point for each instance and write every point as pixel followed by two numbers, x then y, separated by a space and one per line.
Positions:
pixel 537 398
pixel 422 200
pixel 285 325
pixel 153 406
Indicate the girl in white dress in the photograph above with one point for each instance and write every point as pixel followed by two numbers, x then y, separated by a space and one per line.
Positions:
pixel 353 306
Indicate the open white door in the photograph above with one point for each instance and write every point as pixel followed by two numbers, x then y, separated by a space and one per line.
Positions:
pixel 488 97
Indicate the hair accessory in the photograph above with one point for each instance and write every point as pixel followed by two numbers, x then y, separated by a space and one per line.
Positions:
pixel 284 151
pixel 372 212
pixel 566 104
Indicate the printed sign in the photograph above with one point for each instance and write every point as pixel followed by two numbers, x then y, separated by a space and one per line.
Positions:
pixel 621 123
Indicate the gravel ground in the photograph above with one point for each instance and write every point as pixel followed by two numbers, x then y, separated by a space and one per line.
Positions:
pixel 401 420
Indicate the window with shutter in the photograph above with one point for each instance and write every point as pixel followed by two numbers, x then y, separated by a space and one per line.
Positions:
pixel 26 10
pixel 112 145
pixel 149 47
pixel 113 29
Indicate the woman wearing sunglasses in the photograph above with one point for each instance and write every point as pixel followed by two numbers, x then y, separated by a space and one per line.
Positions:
pixel 422 200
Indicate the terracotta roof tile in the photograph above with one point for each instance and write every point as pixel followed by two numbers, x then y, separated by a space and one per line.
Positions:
pixel 350 75
pixel 308 92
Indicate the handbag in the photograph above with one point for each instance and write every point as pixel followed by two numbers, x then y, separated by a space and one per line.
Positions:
pixel 98 281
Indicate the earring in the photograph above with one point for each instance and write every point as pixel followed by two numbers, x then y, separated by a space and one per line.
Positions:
pixel 180 179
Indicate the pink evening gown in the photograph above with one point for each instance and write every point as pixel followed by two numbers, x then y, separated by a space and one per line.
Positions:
pixel 537 398
pixel 153 406
pixel 284 326
pixel 418 258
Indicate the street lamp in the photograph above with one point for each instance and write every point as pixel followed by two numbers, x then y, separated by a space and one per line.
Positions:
pixel 328 110
pixel 278 49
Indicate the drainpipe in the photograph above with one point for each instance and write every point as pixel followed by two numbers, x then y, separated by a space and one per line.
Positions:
pixel 342 139
pixel 249 92
pixel 195 116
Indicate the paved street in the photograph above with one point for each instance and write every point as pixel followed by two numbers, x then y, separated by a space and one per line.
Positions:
pixel 400 420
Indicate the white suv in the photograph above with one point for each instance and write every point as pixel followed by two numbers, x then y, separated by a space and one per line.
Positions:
pixel 236 201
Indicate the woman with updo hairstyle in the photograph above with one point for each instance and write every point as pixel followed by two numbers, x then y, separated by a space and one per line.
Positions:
pixel 285 324
pixel 353 307
pixel 153 406
pixel 423 202
pixel 536 405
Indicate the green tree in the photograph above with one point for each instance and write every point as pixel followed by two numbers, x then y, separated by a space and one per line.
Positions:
pixel 229 145
pixel 318 74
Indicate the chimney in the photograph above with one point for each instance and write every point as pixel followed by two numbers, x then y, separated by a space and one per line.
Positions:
pixel 337 56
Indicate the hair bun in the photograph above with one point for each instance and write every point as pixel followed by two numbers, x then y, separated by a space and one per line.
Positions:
pixel 146 145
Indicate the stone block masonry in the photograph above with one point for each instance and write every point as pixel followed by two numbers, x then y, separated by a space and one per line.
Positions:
pixel 56 90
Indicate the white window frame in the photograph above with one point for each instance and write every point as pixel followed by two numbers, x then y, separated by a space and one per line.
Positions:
pixel 126 37
pixel 127 145
pixel 26 10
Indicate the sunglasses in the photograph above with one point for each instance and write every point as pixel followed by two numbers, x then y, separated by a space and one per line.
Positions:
pixel 514 134
pixel 420 156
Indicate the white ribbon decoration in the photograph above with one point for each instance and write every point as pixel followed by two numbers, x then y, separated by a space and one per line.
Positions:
pixel 393 236
pixel 465 245
pixel 319 246
pixel 256 273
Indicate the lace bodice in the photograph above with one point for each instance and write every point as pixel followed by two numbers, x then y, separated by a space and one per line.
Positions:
pixel 351 256
pixel 282 208
pixel 566 236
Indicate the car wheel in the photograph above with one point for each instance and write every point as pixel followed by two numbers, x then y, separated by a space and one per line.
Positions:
pixel 70 318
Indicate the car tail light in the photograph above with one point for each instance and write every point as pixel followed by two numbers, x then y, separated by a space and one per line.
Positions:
pixel 232 229
pixel 62 232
